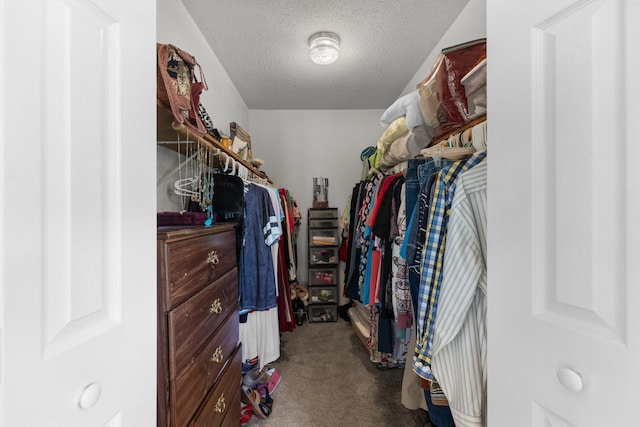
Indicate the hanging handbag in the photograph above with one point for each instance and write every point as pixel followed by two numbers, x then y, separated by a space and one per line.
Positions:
pixel 177 85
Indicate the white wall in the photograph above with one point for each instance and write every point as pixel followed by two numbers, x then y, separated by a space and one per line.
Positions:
pixel 300 145
pixel 222 101
pixel 471 24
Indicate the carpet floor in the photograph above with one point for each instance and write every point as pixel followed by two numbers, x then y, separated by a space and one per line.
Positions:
pixel 327 380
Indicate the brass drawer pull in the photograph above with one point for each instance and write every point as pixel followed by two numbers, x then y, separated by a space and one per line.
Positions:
pixel 216 307
pixel 212 258
pixel 217 357
pixel 220 405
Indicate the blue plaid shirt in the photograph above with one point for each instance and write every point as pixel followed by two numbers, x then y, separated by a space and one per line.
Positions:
pixel 432 260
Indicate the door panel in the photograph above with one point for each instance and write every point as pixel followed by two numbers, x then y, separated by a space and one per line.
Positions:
pixel 78 249
pixel 82 225
pixel 544 417
pixel 563 205
pixel 578 109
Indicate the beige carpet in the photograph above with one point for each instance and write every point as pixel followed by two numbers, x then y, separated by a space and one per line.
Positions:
pixel 328 380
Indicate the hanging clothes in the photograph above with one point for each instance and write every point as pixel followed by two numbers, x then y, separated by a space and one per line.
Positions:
pixel 266 265
pixel 364 238
pixel 286 266
pixel 431 266
pixel 257 276
pixel 400 266
pixel 353 251
pixel 459 360
pixel 382 217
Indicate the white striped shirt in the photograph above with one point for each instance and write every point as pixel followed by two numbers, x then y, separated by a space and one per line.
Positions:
pixel 460 340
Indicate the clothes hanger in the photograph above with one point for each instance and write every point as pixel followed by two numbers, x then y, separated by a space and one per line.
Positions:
pixel 440 151
pixel 479 138
pixel 243 172
pixel 181 187
pixel 226 165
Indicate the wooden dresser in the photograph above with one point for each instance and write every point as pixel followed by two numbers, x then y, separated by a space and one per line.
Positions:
pixel 199 357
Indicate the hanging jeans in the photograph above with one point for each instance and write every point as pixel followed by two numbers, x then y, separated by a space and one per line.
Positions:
pixel 440 416
pixel 416 234
pixel 412 183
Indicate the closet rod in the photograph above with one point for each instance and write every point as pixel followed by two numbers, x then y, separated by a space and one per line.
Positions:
pixel 168 130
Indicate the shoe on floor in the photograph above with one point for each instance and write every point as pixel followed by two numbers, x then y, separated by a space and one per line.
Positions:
pixel 270 387
pixel 245 413
pixel 254 377
pixel 274 380
pixel 262 406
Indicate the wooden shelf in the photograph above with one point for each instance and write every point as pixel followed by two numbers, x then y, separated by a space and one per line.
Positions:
pixel 175 136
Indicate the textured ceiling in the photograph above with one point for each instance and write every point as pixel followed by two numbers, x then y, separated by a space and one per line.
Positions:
pixel 263 46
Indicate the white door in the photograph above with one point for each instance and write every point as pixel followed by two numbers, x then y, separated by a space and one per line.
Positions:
pixel 78 316
pixel 564 212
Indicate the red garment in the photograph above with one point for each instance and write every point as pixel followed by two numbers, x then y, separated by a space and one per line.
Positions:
pixel 290 220
pixel 344 245
pixel 383 187
pixel 375 261
pixel 286 319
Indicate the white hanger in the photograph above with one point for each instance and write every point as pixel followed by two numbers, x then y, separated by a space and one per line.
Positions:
pixel 226 165
pixel 180 187
pixel 243 172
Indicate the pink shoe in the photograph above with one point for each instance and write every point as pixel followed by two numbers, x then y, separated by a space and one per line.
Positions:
pixel 274 380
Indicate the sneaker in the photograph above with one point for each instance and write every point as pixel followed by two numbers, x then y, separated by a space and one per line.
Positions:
pixel 270 386
pixel 274 380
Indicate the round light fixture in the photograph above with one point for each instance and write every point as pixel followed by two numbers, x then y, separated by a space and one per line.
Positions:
pixel 323 47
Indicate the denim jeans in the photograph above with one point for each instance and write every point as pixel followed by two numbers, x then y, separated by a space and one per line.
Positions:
pixel 419 213
pixel 412 184
pixel 430 167
pixel 440 416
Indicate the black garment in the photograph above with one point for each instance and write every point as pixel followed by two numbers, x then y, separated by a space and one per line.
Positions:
pixel 351 271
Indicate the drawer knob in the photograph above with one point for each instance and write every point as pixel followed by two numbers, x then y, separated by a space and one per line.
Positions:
pixel 217 355
pixel 212 258
pixel 216 307
pixel 220 405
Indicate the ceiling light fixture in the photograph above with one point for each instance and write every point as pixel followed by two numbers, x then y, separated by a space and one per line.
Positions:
pixel 323 47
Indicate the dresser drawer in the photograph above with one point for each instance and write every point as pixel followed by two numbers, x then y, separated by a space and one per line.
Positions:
pixel 194 321
pixel 231 420
pixel 191 386
pixel 222 406
pixel 193 263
